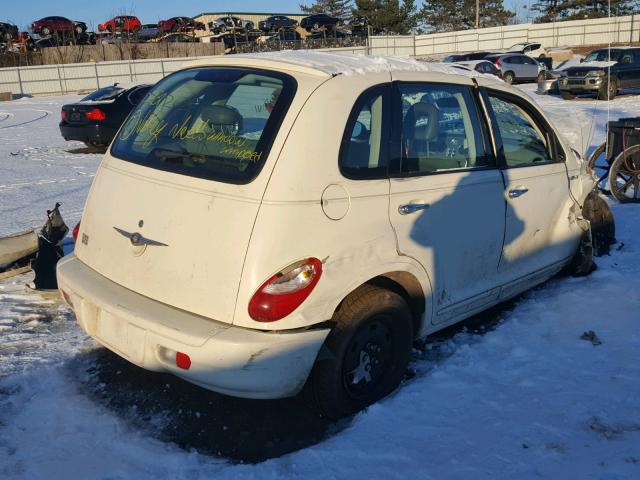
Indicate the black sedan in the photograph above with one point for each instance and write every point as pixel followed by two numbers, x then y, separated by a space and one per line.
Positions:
pixel 276 22
pixel 96 118
pixel 314 22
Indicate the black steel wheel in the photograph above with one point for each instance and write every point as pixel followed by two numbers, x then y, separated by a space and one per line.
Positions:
pixel 624 176
pixel 365 355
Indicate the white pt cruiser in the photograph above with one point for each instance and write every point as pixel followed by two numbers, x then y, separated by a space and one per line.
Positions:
pixel 267 222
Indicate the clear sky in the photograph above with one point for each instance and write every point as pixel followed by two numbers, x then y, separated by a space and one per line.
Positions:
pixel 93 12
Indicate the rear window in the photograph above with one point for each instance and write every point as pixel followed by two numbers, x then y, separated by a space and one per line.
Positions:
pixel 106 93
pixel 215 123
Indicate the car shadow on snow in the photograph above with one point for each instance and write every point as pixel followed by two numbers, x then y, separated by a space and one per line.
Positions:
pixel 238 430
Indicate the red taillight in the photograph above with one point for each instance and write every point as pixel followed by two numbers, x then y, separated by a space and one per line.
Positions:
pixel 75 231
pixel 95 114
pixel 285 291
pixel 183 361
pixel 63 115
pixel 497 63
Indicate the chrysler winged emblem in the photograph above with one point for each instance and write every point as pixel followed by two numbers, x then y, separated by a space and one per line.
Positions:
pixel 137 240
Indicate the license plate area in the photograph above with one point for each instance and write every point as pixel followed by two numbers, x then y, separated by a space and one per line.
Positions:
pixel 76 116
pixel 126 339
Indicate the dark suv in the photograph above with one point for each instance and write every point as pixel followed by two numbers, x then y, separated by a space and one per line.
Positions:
pixel 603 73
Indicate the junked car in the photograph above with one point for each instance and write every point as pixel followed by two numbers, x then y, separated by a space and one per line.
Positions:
pixel 299 219
pixel 96 118
pixel 603 72
pixel 481 66
pixel 531 49
pixel 517 67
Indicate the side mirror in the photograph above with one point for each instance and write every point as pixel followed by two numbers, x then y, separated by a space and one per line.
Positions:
pixel 625 60
pixel 581 60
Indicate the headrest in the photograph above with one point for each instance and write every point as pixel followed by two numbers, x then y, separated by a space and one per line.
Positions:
pixel 447 102
pixel 222 118
pixel 421 122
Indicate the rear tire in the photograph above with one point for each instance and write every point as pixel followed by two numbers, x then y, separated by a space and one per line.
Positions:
pixel 367 352
pixel 509 77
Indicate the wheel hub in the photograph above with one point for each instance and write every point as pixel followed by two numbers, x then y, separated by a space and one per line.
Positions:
pixel 367 359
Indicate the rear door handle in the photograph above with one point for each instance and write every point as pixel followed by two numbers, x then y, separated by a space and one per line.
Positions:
pixel 408 208
pixel 517 192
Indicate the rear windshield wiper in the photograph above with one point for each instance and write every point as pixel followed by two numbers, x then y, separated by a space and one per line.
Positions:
pixel 174 156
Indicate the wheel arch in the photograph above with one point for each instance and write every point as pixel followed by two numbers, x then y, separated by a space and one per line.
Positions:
pixel 405 284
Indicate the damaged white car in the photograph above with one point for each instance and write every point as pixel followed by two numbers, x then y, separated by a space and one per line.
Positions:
pixel 267 222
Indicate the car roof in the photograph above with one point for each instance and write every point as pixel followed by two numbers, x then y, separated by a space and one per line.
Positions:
pixel 323 64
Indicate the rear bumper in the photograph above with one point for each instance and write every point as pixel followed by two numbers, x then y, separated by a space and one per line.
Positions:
pixel 95 133
pixel 227 359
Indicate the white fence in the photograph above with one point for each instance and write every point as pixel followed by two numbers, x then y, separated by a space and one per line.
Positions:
pixel 71 78
pixel 559 34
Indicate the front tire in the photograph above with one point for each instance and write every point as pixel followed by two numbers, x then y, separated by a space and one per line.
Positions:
pixel 603 225
pixel 367 352
pixel 608 89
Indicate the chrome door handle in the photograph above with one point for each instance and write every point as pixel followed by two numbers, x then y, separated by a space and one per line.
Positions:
pixel 516 192
pixel 408 208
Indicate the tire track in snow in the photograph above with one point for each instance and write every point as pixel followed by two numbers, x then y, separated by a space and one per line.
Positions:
pixel 10 186
pixel 45 114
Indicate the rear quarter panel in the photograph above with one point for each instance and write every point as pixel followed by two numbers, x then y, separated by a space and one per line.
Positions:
pixel 292 224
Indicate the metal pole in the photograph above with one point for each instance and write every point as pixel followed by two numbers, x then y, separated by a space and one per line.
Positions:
pixel 20 81
pixel 477 14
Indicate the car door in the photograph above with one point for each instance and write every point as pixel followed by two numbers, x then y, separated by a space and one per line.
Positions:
pixel 529 68
pixel 446 205
pixel 538 233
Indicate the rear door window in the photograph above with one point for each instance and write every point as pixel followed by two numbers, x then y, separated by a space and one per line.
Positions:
pixel 364 152
pixel 216 123
pixel 441 130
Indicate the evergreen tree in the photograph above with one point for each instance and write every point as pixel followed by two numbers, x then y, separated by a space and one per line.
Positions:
pixel 558 10
pixel 452 15
pixel 392 16
pixel 335 8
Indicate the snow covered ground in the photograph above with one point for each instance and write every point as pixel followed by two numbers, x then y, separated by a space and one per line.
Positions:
pixel 515 394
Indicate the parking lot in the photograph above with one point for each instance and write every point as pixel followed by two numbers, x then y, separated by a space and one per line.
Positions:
pixel 516 388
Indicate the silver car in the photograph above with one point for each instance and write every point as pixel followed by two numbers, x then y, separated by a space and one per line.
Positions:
pixel 516 67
